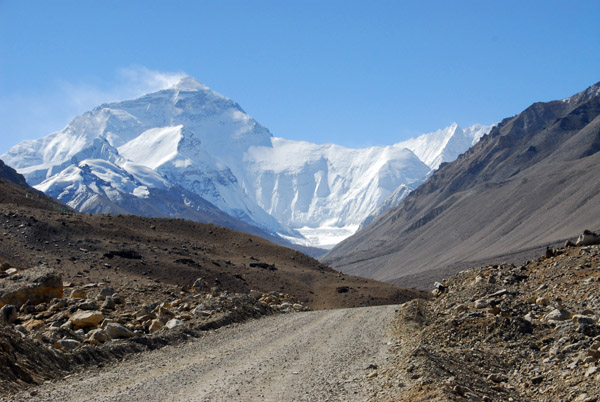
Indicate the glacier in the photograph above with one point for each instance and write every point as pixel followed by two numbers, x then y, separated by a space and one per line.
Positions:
pixel 187 148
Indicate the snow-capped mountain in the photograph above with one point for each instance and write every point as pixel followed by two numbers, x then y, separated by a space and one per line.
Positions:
pixel 168 151
pixel 444 145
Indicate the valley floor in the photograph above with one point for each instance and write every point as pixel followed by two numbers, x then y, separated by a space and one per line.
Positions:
pixel 313 356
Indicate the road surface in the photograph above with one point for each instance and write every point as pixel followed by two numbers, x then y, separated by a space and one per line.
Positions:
pixel 311 356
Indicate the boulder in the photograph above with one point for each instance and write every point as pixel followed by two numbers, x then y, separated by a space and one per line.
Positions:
pixel 117 297
pixel 105 292
pixel 481 304
pixel 85 319
pixel 587 239
pixel 174 323
pixel 201 311
pixel 557 315
pixel 78 294
pixel 88 305
pixel 109 303
pixel 8 314
pixel 165 313
pixel 118 331
pixel 38 285
pixel 583 319
pixel 97 335
pixel 155 325
pixel 68 344
pixel 33 324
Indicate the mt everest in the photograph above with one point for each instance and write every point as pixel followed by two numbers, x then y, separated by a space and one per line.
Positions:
pixel 187 151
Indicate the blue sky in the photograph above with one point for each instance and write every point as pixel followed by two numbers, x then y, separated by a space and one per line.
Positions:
pixel 355 73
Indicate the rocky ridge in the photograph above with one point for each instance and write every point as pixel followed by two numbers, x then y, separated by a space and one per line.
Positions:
pixel 503 332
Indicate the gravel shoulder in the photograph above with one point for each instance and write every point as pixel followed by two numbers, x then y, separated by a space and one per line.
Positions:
pixel 309 356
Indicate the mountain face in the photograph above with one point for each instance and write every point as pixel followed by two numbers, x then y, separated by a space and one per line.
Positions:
pixel 177 151
pixel 533 180
pixel 10 174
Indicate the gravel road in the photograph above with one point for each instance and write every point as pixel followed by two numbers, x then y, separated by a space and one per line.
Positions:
pixel 312 356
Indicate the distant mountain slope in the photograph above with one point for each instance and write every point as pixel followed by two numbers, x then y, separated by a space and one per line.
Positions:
pixel 183 147
pixel 10 174
pixel 531 181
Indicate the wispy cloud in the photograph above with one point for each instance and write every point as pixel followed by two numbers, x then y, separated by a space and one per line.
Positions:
pixel 32 116
pixel 128 83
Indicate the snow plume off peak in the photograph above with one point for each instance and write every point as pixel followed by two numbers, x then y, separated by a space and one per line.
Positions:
pixel 189 84
pixel 169 150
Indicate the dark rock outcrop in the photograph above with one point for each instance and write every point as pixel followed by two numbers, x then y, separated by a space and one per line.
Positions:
pixel 10 174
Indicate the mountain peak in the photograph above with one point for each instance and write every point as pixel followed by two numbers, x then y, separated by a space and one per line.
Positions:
pixel 188 83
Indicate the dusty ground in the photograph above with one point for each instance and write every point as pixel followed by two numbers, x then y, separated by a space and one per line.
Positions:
pixel 504 332
pixel 329 355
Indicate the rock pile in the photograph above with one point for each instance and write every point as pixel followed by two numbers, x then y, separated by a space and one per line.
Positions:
pixel 94 316
pixel 504 332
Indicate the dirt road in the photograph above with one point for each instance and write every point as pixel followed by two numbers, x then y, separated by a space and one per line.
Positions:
pixel 313 356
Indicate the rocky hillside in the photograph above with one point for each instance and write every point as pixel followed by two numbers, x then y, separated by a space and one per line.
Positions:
pixel 530 182
pixel 503 332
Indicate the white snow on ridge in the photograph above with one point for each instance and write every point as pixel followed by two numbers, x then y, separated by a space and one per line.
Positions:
pixel 307 186
pixel 153 147
pixel 444 145
pixel 193 138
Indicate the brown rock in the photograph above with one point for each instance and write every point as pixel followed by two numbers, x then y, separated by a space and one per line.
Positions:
pixel 155 325
pixel 38 285
pixel 84 319
pixel 165 313
pixel 32 324
pixel 78 294
pixel 97 335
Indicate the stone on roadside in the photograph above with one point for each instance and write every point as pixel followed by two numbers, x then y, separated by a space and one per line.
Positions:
pixel 78 294
pixel 583 319
pixel 105 292
pixel 174 323
pixel 481 304
pixel 109 303
pixel 201 311
pixel 155 325
pixel 117 297
pixel 33 324
pixel 165 313
pixel 69 344
pixel 542 301
pixel 97 335
pixel 85 319
pixel 88 305
pixel 557 315
pixel 118 331
pixel 8 314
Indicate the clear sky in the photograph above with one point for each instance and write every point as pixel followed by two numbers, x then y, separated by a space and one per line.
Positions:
pixel 355 73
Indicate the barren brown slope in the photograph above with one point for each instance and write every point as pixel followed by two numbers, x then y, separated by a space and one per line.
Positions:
pixel 144 253
pixel 532 181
